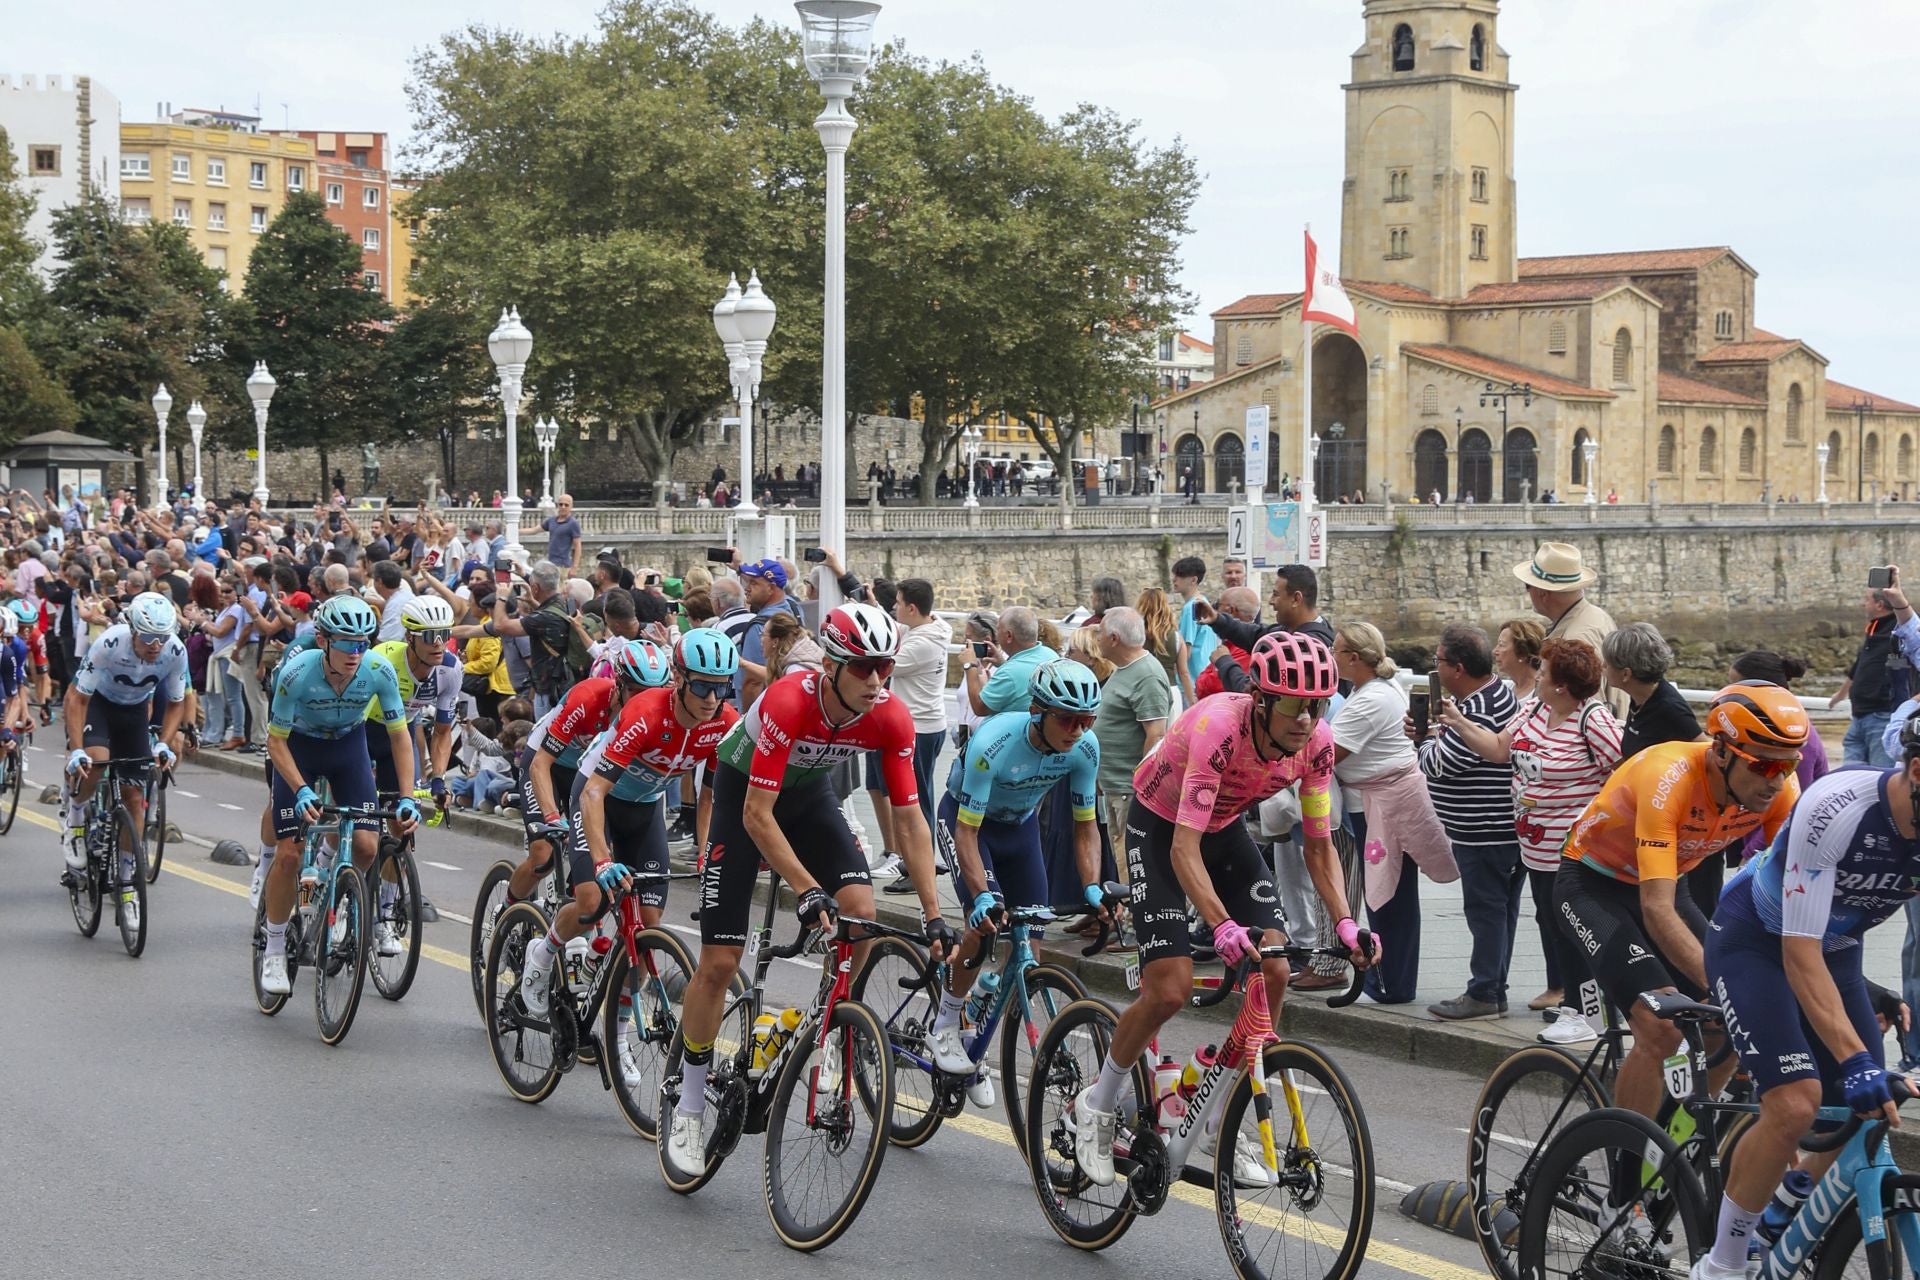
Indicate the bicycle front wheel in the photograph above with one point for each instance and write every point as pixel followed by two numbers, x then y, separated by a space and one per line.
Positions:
pixel 522 1045
pixel 1311 1212
pixel 1050 989
pixel 895 986
pixel 270 1003
pixel 642 1023
pixel 340 954
pixel 826 1131
pixel 128 880
pixel 157 828
pixel 398 930
pixel 487 906
pixel 11 782
pixel 1838 1255
pixel 83 891
pixel 1613 1196
pixel 1068 1059
pixel 1530 1096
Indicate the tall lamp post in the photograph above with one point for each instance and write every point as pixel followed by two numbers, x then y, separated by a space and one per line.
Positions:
pixel 260 389
pixel 1491 395
pixel 837 40
pixel 744 321
pixel 510 344
pixel 1590 450
pixel 162 404
pixel 197 424
pixel 545 434
pixel 1821 452
pixel 1861 407
pixel 971 448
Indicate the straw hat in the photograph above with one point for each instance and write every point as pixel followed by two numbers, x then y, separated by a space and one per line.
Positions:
pixel 1556 566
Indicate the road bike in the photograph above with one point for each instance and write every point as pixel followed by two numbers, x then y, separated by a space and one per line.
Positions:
pixel 330 928
pixel 549 894
pixel 399 924
pixel 13 777
pixel 823 1093
pixel 1293 1186
pixel 116 860
pixel 632 988
pixel 159 782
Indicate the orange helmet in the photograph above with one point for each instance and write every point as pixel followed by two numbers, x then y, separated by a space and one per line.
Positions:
pixel 1754 713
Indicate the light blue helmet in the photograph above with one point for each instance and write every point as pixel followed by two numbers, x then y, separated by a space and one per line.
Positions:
pixel 643 663
pixel 24 613
pixel 706 652
pixel 1069 686
pixel 347 617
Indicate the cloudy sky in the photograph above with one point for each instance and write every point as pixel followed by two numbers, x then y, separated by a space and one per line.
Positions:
pixel 1783 129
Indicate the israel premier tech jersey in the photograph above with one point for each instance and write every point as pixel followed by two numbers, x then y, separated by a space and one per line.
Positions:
pixel 1003 777
pixel 114 671
pixel 304 703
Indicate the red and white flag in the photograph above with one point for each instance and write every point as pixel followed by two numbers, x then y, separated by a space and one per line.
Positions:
pixel 1326 300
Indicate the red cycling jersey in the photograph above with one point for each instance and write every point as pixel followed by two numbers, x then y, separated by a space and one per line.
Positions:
pixel 570 727
pixel 785 738
pixel 648 746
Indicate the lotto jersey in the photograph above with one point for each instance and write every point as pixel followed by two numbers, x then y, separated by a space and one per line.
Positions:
pixel 438 693
pixel 114 671
pixel 1205 772
pixel 648 747
pixel 566 731
pixel 786 738
pixel 1002 776
pixel 305 703
pixel 1655 820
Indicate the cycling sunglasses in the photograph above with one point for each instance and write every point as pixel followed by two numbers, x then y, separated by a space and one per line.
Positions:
pixel 439 635
pixel 867 668
pixel 1292 707
pixel 1071 720
pixel 709 688
pixel 1766 768
pixel 349 647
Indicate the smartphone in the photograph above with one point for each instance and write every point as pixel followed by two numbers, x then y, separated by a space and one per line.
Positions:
pixel 1879 579
pixel 1434 691
pixel 433 558
pixel 815 555
pixel 502 576
pixel 719 555
pixel 653 580
pixel 333 521
pixel 981 649
pixel 1418 705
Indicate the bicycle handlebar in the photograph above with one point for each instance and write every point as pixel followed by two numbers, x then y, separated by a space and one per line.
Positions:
pixel 1016 916
pixel 1817 1143
pixel 1236 974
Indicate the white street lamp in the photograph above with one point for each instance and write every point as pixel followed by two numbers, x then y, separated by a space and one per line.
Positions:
pixel 197 423
pixel 260 389
pixel 546 434
pixel 972 437
pixel 510 344
pixel 1590 450
pixel 162 403
pixel 744 321
pixel 1821 452
pixel 837 40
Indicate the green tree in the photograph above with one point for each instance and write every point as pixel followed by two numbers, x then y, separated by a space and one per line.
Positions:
pixel 30 400
pixel 435 364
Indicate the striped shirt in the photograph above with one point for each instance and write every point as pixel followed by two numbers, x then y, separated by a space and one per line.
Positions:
pixel 1474 797
pixel 1556 772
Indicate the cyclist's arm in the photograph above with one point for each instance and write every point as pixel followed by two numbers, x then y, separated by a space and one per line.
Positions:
pixel 972 802
pixel 402 756
pixel 541 772
pixel 170 722
pixel 593 816
pixel 1820 1004
pixel 1083 791
pixel 916 847
pixel 764 830
pixel 280 752
pixel 1191 871
pixel 966 849
pixel 76 714
pixel 1668 932
pixel 1329 877
pixel 440 749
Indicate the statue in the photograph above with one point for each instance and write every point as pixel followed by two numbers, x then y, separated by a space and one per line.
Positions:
pixel 369 468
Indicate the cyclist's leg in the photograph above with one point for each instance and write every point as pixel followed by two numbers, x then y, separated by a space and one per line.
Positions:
pixel 726 899
pixel 96 737
pixel 987 838
pixel 539 852
pixel 283 877
pixel 1159 910
pixel 638 833
pixel 1245 884
pixel 816 827
pixel 349 770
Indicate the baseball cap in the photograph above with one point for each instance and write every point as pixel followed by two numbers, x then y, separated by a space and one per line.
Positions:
pixel 300 600
pixel 768 569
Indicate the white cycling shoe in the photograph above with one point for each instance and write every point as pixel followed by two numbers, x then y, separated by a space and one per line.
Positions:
pixel 980 1093
pixel 74 849
pixel 948 1053
pixel 130 909
pixel 1570 1026
pixel 386 939
pixel 533 988
pixel 1707 1269
pixel 687 1144
pixel 1093 1140
pixel 273 976
pixel 1249 1165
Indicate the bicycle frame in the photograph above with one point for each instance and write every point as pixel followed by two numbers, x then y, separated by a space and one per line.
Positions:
pixel 1012 973
pixel 1857 1179
pixel 1246 1046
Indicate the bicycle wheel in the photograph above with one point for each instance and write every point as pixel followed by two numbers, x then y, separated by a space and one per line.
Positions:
pixel 340 954
pixel 157 828
pixel 396 915
pixel 894 985
pixel 1050 989
pixel 826 1130
pixel 1613 1196
pixel 1067 1060
pixel 728 1077
pixel 1512 1121
pixel 1316 1220
pixel 11 782
pixel 1838 1255
pixel 641 1023
pixel 487 907
pixel 522 1046
pixel 128 878
pixel 84 893
pixel 270 1004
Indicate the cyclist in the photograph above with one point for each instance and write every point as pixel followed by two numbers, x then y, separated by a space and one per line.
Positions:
pixel 674 723
pixel 107 710
pixel 772 793
pixel 992 813
pixel 320 701
pixel 15 674
pixel 1784 954
pixel 1661 814
pixel 269 842
pixel 26 616
pixel 1186 843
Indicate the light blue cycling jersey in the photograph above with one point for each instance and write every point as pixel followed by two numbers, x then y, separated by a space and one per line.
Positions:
pixel 1838 868
pixel 304 703
pixel 1003 777
pixel 114 671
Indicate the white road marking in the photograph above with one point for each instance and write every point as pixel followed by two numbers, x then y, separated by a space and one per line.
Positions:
pixel 448 915
pixel 444 866
pixel 186 795
pixel 224 805
pixel 1523 1144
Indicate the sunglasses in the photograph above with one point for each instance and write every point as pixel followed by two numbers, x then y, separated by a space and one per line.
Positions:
pixel 709 688
pixel 437 636
pixel 1292 707
pixel 1766 768
pixel 349 647
pixel 867 668
pixel 1071 720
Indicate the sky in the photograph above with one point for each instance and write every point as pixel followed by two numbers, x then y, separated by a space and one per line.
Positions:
pixel 1786 130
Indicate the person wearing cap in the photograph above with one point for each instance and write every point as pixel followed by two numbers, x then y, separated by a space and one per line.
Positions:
pixel 302 605
pixel 1557 579
pixel 765 582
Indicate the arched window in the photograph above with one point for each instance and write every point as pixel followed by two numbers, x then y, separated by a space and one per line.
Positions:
pixel 1709 451
pixel 1557 338
pixel 1723 325
pixel 1905 458
pixel 1666 459
pixel 1623 359
pixel 1403 48
pixel 1872 453
pixel 1521 482
pixel 1229 463
pixel 1476 465
pixel 1243 349
pixel 1794 398
pixel 1477 49
pixel 1834 446
pixel 1749 447
pixel 1580 456
pixel 1430 400
pixel 1479 249
pixel 1430 465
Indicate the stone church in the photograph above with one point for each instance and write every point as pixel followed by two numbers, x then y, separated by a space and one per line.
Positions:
pixel 1654 356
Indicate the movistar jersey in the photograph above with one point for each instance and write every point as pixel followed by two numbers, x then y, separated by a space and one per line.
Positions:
pixel 1003 777
pixel 438 692
pixel 114 671
pixel 304 703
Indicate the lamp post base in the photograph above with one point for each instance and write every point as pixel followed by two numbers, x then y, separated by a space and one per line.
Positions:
pixel 510 510
pixel 261 494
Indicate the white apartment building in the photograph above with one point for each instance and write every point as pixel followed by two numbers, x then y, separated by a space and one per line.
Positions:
pixel 65 133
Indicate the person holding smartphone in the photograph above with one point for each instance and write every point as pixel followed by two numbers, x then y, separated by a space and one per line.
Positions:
pixel 1881 675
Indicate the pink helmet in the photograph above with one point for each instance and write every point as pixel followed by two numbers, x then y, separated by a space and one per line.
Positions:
pixel 1289 663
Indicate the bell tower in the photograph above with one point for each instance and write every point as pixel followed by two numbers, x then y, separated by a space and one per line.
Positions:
pixel 1429 194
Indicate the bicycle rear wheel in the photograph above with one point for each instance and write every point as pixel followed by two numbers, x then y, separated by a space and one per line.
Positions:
pixel 487 906
pixel 1512 1123
pixel 84 891
pixel 128 879
pixel 157 827
pixel 271 1004
pixel 641 1023
pixel 1068 1059
pixel 522 1045
pixel 894 985
pixel 729 1078
pixel 340 954
pixel 826 1129
pixel 1050 989
pixel 1613 1196
pixel 1316 1220
pixel 396 915
pixel 15 764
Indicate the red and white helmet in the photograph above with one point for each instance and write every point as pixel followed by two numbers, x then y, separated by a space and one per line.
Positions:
pixel 1292 664
pixel 856 631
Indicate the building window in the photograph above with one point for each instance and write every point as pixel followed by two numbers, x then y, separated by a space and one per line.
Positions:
pixel 1794 398
pixel 257 175
pixel 1834 446
pixel 1479 244
pixel 1723 325
pixel 1166 350
pixel 1403 48
pixel 1709 451
pixel 136 164
pixel 1749 450
pixel 216 170
pixel 1580 457
pixel 183 168
pixel 1557 338
pixel 413 269
pixel 296 177
pixel 1872 454
pixel 1480 185
pixel 1668 456
pixel 217 258
pixel 413 230
pixel 183 213
pixel 371 279
pixel 1429 400
pixel 336 194
pixel 1623 360
pixel 1477 50
pixel 43 161
pixel 1905 457
pixel 370 239
pixel 217 218
pixel 137 211
pixel 370 198
pixel 1399 185
pixel 1243 349
pixel 358 159
pixel 1399 242
pixel 257 220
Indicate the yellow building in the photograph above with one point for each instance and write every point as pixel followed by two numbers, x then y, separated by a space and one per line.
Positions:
pixel 405 225
pixel 224 186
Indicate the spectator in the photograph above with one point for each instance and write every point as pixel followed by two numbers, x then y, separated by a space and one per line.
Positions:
pixel 1083 646
pixel 1105 593
pixel 1233 573
pixel 1516 655
pixel 1636 658
pixel 1134 707
pixel 1563 743
pixel 790 648
pixel 548 628
pixel 1021 653
pixel 1295 601
pixel 765 583
pixel 1556 580
pixel 1196 641
pixel 731 615
pixel 1387 807
pixel 1163 640
pixel 563 534
pixel 920 679
pixel 390 584
pixel 1880 676
pixel 977 635
pixel 1775 668
pixel 1242 605
pixel 1474 800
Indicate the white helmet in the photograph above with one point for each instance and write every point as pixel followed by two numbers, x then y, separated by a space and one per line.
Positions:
pixel 426 613
pixel 856 631
pixel 150 614
pixel 9 626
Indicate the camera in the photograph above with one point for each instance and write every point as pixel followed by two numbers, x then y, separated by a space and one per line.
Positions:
pixel 815 555
pixel 720 555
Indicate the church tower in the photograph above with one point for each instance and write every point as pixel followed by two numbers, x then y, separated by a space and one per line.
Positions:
pixel 1429 193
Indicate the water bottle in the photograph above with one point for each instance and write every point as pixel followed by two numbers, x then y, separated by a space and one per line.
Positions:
pixel 309 882
pixel 1787 1199
pixel 579 964
pixel 762 1045
pixel 1166 1092
pixel 1201 1062
pixel 985 988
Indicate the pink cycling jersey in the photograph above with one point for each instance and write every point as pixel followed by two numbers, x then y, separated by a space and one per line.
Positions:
pixel 1205 771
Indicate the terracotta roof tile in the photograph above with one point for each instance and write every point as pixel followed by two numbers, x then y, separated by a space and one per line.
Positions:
pixel 1388 291
pixel 1188 340
pixel 1258 304
pixel 1578 289
pixel 1842 396
pixel 1485 366
pixel 1613 264
pixel 1747 352
pixel 1674 387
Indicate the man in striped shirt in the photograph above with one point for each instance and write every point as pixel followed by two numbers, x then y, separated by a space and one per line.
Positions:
pixel 1474 800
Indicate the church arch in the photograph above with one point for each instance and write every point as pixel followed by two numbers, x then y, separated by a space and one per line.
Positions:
pixel 1871 455
pixel 1403 48
pixel 1476 465
pixel 1749 449
pixel 1795 399
pixel 1477 49
pixel 1521 479
pixel 1188 452
pixel 1623 358
pixel 1229 463
pixel 1430 465
pixel 1579 469
pixel 1709 451
pixel 1339 414
pixel 1834 447
pixel 1904 458
pixel 1666 460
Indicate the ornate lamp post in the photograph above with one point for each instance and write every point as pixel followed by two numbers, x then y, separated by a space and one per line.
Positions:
pixel 162 404
pixel 545 434
pixel 971 437
pixel 510 344
pixel 260 389
pixel 1861 406
pixel 1821 452
pixel 1492 394
pixel 1590 450
pixel 744 321
pixel 197 423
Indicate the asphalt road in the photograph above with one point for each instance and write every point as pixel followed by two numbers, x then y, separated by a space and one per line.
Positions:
pixel 153 1120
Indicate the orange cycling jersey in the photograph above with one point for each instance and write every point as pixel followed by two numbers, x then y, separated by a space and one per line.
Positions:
pixel 1654 819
